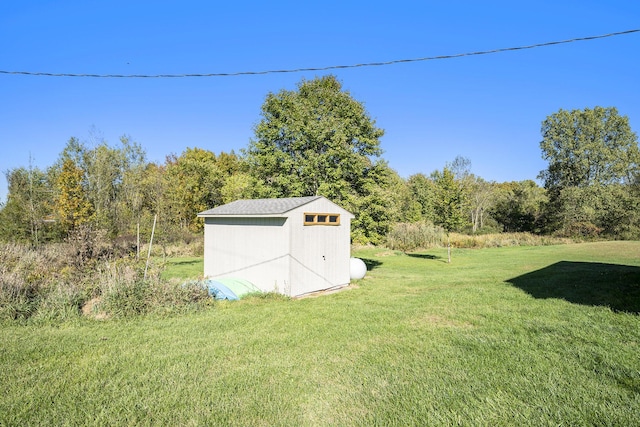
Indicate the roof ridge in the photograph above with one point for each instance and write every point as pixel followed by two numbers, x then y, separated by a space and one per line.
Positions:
pixel 260 206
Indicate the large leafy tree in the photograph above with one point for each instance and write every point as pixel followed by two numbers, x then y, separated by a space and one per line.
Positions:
pixel 449 198
pixel 319 140
pixel 587 148
pixel 590 146
pixel 314 140
pixel 193 183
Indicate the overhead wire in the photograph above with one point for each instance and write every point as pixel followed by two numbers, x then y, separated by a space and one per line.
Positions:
pixel 328 68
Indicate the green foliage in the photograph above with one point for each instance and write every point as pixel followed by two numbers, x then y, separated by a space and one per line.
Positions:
pixel 593 161
pixel 25 215
pixel 318 140
pixel 194 183
pixel 124 292
pixel 422 192
pixel 317 135
pixel 72 204
pixel 597 210
pixel 518 206
pixel 590 146
pixel 128 299
pixel 381 203
pixel 449 200
pixel 418 235
pixel 113 176
pixel 62 303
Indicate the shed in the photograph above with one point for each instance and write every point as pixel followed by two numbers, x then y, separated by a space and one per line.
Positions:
pixel 293 246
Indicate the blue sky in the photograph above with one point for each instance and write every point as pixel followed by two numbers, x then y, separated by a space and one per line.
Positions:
pixel 486 108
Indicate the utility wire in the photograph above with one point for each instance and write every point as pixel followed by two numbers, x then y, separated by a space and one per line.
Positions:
pixel 332 67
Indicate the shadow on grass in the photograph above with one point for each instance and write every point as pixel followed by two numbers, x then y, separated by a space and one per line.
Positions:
pixel 185 262
pixel 595 284
pixel 425 256
pixel 371 263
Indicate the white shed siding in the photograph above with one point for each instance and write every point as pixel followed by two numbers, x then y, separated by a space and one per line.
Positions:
pixel 320 253
pixel 255 249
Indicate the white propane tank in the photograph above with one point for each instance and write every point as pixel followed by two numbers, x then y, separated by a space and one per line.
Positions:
pixel 357 268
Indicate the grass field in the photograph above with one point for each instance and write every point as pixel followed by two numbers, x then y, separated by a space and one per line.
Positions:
pixel 184 267
pixel 506 336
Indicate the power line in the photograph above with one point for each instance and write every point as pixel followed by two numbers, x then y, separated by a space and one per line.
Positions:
pixel 332 67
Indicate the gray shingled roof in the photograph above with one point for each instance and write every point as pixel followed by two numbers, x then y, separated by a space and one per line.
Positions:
pixel 259 206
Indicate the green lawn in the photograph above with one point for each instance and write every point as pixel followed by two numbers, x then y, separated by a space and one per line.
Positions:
pixel 507 336
pixel 184 267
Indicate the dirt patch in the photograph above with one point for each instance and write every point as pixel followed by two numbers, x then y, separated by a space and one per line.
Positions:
pixel 92 309
pixel 327 291
pixel 386 253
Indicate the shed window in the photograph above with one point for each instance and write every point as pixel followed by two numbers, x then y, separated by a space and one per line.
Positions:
pixel 321 219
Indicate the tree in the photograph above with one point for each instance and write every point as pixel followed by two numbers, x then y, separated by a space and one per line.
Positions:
pixel 449 197
pixel 318 140
pixel 518 206
pixel 72 204
pixel 193 184
pixel 422 192
pixel 237 182
pixel 448 201
pixel 28 204
pixel 586 147
pixel 591 154
pixel 481 196
pixel 113 175
pixel 382 201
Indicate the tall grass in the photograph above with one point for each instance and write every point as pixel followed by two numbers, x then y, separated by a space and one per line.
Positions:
pixel 499 240
pixel 409 237
pixel 56 282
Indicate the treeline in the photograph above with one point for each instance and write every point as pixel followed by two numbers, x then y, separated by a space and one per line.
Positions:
pixel 319 140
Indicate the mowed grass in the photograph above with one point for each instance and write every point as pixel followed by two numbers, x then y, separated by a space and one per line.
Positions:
pixel 184 267
pixel 506 336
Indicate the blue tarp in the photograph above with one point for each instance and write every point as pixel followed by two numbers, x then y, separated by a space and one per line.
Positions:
pixel 219 291
pixel 239 287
